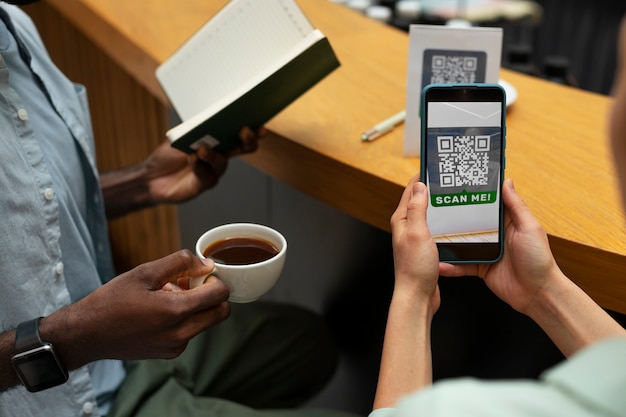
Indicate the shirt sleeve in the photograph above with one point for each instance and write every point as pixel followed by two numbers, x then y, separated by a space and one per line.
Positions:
pixel 468 397
pixel 383 412
pixel 565 390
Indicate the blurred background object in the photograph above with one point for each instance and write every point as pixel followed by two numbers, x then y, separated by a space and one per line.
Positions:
pixel 571 42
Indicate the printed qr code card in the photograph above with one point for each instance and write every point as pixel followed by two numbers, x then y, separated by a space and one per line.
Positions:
pixel 446 55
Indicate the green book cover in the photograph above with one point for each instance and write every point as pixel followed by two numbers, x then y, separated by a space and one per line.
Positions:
pixel 241 68
pixel 254 108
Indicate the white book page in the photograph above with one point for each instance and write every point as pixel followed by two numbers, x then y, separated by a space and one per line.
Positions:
pixel 187 125
pixel 237 44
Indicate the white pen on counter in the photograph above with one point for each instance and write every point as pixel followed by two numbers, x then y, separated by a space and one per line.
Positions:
pixel 383 127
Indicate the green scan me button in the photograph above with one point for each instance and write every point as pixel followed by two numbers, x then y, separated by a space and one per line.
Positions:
pixel 463 198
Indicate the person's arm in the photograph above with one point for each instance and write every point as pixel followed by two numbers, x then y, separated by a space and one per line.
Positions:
pixel 168 176
pixel 529 280
pixel 140 314
pixel 570 317
pixel 126 190
pixel 9 377
pixel 406 363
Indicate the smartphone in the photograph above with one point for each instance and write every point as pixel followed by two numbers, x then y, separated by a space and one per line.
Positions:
pixel 462 164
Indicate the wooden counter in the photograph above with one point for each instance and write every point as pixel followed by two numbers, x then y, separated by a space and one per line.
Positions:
pixel 556 147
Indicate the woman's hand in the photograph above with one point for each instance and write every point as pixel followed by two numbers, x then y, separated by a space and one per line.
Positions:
pixel 415 254
pixel 527 263
pixel 406 363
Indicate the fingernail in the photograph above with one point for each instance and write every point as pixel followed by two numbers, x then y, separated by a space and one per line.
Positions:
pixel 208 262
pixel 246 134
pixel 419 188
pixel 203 153
pixel 511 184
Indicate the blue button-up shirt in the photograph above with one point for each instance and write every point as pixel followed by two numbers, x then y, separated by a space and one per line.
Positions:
pixel 54 248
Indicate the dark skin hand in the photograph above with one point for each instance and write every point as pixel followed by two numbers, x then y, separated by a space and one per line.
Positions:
pixel 143 305
pixel 176 177
pixel 169 176
pixel 137 315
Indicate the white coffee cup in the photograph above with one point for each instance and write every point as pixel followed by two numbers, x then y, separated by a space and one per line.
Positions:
pixel 246 282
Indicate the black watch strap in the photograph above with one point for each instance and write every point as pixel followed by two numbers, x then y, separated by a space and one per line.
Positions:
pixel 35 362
pixel 27 336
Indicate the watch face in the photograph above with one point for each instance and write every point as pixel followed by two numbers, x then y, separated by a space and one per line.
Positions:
pixel 39 368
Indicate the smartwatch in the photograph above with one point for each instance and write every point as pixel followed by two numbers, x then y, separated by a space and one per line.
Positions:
pixel 34 361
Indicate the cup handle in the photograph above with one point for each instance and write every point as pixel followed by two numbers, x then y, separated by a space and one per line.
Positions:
pixel 197 281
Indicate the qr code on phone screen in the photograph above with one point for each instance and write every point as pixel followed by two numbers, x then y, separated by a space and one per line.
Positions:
pixel 463 160
pixel 453 67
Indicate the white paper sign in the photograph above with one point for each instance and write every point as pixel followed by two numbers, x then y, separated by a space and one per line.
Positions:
pixel 448 55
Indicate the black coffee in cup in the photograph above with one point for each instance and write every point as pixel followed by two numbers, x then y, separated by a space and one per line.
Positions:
pixel 240 250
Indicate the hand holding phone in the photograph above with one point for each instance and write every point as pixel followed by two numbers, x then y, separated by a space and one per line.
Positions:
pixel 462 164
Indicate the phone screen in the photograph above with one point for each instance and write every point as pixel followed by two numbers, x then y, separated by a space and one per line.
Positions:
pixel 462 165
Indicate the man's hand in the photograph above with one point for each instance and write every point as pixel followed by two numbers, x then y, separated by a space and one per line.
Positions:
pixel 175 177
pixel 169 176
pixel 141 314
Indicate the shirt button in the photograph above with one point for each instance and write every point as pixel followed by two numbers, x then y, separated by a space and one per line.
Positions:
pixel 22 114
pixel 59 268
pixel 88 407
pixel 48 194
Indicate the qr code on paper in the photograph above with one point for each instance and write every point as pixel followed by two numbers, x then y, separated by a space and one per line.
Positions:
pixel 463 160
pixel 453 67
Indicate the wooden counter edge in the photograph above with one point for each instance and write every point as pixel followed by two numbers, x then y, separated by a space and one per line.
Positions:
pixel 586 265
pixel 320 177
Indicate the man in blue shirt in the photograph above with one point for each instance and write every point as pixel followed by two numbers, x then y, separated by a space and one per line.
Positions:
pixel 55 263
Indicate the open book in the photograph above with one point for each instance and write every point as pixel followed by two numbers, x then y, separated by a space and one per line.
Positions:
pixel 245 65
